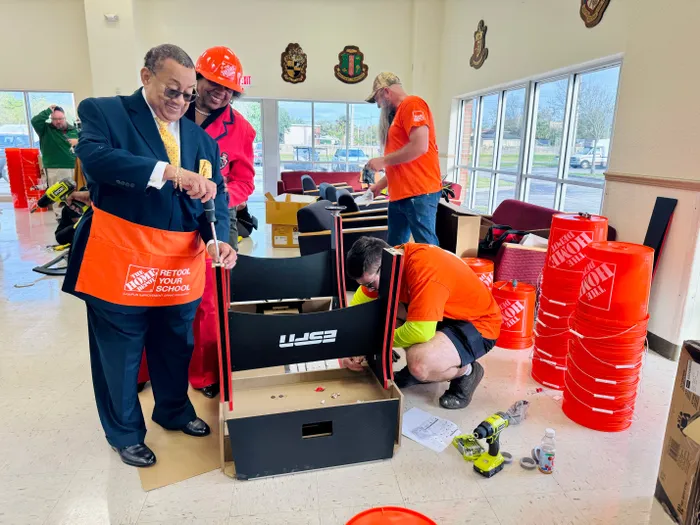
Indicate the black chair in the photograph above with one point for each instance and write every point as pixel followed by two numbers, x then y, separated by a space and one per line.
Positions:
pixel 307 183
pixel 322 188
pixel 347 200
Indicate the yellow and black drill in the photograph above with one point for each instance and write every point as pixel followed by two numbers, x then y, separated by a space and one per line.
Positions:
pixel 58 193
pixel 491 462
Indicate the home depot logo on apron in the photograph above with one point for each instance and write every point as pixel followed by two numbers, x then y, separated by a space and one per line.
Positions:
pixel 134 265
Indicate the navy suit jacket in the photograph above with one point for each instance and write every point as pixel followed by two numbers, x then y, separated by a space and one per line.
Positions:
pixel 119 147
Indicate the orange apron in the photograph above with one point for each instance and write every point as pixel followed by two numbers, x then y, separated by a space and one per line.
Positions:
pixel 133 265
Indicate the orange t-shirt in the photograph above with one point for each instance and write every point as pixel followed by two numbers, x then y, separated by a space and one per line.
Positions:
pixel 422 175
pixel 438 284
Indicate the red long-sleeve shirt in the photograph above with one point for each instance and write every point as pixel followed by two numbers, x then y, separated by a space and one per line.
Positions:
pixel 235 136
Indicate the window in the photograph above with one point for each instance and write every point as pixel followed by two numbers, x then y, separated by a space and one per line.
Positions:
pixel 546 143
pixel 16 110
pixel 326 136
pixel 252 111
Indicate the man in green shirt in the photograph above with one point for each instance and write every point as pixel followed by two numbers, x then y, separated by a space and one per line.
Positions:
pixel 56 140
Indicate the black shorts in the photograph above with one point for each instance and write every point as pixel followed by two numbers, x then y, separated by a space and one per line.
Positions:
pixel 468 341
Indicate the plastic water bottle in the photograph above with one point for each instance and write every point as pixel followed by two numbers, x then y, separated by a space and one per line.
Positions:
pixel 547 451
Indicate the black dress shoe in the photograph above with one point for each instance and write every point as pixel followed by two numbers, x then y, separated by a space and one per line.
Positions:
pixel 196 428
pixel 137 455
pixel 210 391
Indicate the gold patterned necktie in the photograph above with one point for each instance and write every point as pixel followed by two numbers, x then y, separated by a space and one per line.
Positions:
pixel 171 147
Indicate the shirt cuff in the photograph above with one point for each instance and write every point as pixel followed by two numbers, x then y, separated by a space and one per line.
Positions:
pixel 209 243
pixel 156 179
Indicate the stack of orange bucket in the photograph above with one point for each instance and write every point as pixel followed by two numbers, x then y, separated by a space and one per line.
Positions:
pixel 483 268
pixel 561 280
pixel 608 340
pixel 25 177
pixel 517 303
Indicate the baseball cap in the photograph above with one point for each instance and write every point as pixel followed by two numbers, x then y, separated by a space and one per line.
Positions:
pixel 383 80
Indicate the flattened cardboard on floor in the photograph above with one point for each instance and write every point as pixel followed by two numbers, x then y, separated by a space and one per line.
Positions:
pixel 180 456
pixel 678 484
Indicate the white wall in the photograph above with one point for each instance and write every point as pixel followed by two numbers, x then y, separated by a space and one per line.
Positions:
pixel 43 46
pixel 656 132
pixel 524 39
pixel 259 31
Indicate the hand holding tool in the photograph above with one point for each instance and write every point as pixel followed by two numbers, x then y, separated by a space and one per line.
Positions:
pixel 210 212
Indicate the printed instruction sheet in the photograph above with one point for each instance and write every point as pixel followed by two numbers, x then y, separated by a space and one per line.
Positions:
pixel 428 430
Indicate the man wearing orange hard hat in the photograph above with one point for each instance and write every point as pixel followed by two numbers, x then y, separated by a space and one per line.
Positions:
pixel 219 77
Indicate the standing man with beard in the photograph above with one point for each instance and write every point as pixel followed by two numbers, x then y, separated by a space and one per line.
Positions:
pixel 410 161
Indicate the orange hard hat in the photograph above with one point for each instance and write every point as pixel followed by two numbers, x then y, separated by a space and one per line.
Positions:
pixel 221 65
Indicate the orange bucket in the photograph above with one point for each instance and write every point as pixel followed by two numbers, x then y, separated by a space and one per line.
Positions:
pixel 517 303
pixel 616 281
pixel 569 235
pixel 483 268
pixel 547 374
pixel 390 516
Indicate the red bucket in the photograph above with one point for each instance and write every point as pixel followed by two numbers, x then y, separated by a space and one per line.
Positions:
pixel 616 281
pixel 594 417
pixel 517 303
pixel 547 374
pixel 622 358
pixel 390 516
pixel 555 307
pixel 569 235
pixel 483 268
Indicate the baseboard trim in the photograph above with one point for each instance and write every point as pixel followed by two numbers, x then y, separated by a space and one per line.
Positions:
pixel 663 347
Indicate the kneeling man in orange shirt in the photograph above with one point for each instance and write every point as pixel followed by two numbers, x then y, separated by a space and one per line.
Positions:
pixel 452 320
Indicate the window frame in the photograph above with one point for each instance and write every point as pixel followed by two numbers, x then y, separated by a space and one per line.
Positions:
pixel 523 174
pixel 346 145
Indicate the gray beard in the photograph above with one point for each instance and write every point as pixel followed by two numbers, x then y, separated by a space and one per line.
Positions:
pixel 386 117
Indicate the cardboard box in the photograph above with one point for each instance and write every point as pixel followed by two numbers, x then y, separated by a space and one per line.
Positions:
pixel 283 208
pixel 458 229
pixel 678 484
pixel 280 424
pixel 285 236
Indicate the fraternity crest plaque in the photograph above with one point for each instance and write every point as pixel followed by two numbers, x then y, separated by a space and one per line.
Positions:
pixel 351 68
pixel 480 53
pixel 592 11
pixel 294 64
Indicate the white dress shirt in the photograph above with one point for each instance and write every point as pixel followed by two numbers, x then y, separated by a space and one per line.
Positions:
pixel 156 178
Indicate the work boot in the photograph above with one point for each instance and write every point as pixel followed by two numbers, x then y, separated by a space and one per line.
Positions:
pixel 461 390
pixel 404 379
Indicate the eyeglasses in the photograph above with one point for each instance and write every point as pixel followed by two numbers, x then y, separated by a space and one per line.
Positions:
pixel 172 94
pixel 370 286
pixel 54 119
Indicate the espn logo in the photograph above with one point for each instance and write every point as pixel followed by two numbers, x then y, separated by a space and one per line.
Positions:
pixel 312 338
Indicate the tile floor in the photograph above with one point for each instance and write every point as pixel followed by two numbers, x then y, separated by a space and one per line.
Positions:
pixel 56 468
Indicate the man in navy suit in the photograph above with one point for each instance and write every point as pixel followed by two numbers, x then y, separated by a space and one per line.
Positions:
pixel 138 257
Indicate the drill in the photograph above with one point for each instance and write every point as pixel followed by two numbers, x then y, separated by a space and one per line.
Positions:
pixel 58 193
pixel 491 462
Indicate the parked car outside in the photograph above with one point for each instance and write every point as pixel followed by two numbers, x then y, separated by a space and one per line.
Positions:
pixel 356 159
